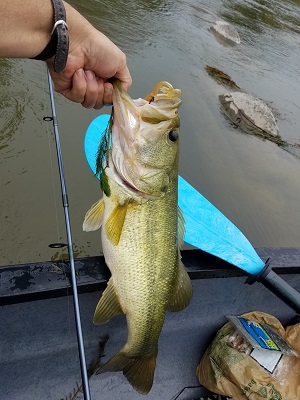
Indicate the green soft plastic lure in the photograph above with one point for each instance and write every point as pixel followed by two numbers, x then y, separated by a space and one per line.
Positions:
pixel 102 159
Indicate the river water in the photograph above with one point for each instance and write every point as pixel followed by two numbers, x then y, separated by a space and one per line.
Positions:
pixel 253 182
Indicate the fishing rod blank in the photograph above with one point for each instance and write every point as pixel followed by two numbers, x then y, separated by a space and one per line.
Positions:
pixel 85 380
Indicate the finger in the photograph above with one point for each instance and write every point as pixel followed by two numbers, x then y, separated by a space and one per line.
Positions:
pixel 124 76
pixel 100 90
pixel 105 91
pixel 104 94
pixel 79 87
pixel 91 94
pixel 108 94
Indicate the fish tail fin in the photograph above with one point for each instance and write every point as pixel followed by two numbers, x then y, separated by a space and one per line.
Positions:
pixel 139 371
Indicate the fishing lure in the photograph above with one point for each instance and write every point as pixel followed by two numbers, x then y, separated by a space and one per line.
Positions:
pixel 101 159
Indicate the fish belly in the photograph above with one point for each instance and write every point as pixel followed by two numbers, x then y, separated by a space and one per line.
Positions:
pixel 144 266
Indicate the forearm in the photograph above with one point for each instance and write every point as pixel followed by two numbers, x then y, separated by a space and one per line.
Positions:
pixel 25 26
pixel 25 31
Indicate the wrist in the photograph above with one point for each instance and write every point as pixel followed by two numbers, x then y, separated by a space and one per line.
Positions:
pixel 79 28
pixel 58 46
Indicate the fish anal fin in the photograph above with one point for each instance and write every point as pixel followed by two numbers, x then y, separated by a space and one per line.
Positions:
pixel 182 290
pixel 94 217
pixel 115 222
pixel 139 371
pixel 108 305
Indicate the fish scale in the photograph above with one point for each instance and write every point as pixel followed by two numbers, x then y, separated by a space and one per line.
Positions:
pixel 147 271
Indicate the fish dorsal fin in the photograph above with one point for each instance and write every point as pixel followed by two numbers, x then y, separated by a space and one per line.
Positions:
pixel 182 289
pixel 181 228
pixel 115 222
pixel 94 217
pixel 108 305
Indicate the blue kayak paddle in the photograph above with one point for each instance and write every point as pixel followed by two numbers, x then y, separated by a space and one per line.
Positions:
pixel 208 229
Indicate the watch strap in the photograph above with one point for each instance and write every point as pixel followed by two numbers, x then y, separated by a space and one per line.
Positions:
pixel 58 45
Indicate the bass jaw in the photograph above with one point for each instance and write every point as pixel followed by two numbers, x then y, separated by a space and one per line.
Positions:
pixel 149 121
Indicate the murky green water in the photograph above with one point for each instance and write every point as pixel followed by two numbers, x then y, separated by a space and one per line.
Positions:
pixel 253 182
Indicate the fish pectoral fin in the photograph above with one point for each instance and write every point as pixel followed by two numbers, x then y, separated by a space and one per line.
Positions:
pixel 139 371
pixel 94 217
pixel 115 222
pixel 108 305
pixel 182 290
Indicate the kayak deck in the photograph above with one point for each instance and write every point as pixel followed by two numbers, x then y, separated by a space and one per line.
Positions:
pixel 36 281
pixel 39 356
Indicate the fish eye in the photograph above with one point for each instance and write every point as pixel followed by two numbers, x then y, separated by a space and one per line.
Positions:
pixel 173 136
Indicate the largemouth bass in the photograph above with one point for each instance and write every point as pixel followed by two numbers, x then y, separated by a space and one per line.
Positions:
pixel 142 227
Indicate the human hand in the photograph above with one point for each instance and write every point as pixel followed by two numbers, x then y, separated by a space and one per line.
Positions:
pixel 92 60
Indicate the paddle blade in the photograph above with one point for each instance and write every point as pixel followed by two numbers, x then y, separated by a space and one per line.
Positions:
pixel 209 230
pixel 92 139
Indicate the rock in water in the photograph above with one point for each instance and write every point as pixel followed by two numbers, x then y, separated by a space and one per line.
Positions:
pixel 221 77
pixel 226 31
pixel 250 112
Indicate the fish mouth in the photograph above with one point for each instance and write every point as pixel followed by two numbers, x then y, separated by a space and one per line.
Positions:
pixel 131 117
pixel 126 113
pixel 129 114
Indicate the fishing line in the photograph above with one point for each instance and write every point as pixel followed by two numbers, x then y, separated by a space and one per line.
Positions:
pixel 84 375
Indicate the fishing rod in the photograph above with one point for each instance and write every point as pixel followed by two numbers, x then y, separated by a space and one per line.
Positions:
pixel 84 375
